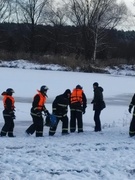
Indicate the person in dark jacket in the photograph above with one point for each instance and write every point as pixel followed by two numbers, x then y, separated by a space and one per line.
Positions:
pixel 8 113
pixel 98 105
pixel 38 106
pixel 60 109
pixel 132 124
pixel 78 104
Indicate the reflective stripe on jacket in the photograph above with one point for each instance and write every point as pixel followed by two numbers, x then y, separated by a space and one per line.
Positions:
pixel 76 96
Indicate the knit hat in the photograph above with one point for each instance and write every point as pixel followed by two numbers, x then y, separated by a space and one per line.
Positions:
pixel 95 84
pixel 79 87
pixel 67 92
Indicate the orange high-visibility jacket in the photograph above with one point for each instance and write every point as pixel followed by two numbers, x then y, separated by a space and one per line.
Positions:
pixel 76 96
pixel 12 101
pixel 41 101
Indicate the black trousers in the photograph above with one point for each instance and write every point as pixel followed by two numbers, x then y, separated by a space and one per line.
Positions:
pixel 76 116
pixel 97 120
pixel 8 126
pixel 36 126
pixel 132 127
pixel 64 120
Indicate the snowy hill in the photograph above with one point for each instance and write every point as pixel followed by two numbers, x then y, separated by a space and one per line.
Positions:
pixel 128 70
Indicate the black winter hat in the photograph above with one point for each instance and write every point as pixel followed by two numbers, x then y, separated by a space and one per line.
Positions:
pixel 67 92
pixel 10 91
pixel 44 88
pixel 79 87
pixel 95 84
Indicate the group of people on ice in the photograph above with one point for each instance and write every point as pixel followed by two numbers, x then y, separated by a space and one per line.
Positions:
pixel 77 102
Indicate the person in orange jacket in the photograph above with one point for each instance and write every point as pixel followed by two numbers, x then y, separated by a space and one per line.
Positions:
pixel 36 112
pixel 8 113
pixel 78 104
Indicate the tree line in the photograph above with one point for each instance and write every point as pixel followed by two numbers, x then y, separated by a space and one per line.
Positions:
pixel 85 28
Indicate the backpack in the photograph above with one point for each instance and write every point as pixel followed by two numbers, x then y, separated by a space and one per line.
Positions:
pixel 51 120
pixel 103 105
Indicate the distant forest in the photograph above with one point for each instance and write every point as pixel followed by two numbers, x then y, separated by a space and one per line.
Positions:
pixel 64 40
pixel 77 33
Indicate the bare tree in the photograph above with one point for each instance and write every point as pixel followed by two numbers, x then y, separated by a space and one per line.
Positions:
pixel 31 12
pixel 56 17
pixel 5 10
pixel 108 16
pixel 56 14
pixel 94 17
pixel 5 14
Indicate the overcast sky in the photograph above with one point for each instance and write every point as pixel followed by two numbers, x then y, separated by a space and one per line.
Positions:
pixel 129 22
pixel 129 4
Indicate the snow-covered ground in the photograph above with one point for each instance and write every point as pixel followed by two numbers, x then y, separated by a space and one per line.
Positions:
pixel 106 155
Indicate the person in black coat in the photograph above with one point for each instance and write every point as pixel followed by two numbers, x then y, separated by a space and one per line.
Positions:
pixel 98 105
pixel 60 109
pixel 132 124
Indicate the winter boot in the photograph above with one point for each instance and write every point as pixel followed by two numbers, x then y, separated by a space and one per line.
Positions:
pixel 3 133
pixel 10 134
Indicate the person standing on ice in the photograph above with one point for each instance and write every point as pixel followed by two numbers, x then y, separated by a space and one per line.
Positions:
pixel 78 104
pixel 132 124
pixel 60 109
pixel 8 113
pixel 98 105
pixel 36 112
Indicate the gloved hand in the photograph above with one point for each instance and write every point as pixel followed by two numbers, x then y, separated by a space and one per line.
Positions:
pixel 46 112
pixel 129 110
pixel 54 112
pixel 83 110
pixel 12 114
pixel 14 117
pixel 39 113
